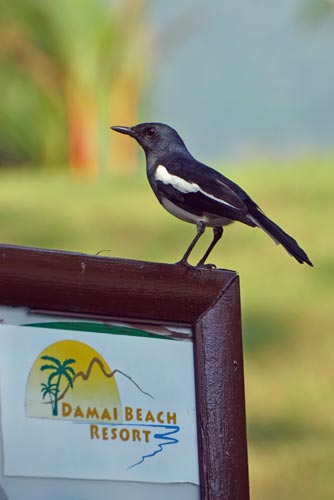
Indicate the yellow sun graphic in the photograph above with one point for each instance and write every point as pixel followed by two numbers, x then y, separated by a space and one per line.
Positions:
pixel 71 379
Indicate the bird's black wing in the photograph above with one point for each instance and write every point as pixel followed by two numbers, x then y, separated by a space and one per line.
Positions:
pixel 200 189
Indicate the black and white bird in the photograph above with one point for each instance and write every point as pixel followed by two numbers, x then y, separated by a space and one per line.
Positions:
pixel 199 194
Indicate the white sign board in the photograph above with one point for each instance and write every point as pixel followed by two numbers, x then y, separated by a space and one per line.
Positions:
pixel 97 406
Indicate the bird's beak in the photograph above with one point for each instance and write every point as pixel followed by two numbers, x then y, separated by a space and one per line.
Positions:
pixel 125 130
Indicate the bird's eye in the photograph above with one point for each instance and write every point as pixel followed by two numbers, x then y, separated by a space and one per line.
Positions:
pixel 150 132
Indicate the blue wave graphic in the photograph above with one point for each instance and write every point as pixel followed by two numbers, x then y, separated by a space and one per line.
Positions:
pixel 171 429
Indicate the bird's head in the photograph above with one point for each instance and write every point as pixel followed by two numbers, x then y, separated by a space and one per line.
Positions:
pixel 155 138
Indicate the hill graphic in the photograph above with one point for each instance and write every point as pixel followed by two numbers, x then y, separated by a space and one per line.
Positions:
pixel 85 375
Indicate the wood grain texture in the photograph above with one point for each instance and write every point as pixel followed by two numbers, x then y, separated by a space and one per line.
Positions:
pixel 65 281
pixel 208 300
pixel 220 399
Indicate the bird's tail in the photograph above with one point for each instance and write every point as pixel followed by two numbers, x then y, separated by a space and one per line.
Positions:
pixel 278 235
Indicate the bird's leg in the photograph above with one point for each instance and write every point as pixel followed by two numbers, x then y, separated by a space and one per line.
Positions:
pixel 217 234
pixel 200 230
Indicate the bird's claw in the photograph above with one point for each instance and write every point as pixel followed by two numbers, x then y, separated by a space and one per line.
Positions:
pixel 184 263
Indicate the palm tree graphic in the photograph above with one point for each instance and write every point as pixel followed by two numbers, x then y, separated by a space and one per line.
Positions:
pixel 48 390
pixel 58 371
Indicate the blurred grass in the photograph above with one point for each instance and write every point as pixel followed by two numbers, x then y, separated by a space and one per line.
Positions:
pixel 287 308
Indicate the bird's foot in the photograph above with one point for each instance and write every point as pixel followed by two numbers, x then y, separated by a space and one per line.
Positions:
pixel 184 263
pixel 199 267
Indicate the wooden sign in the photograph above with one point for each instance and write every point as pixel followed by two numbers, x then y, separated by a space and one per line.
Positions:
pixel 127 374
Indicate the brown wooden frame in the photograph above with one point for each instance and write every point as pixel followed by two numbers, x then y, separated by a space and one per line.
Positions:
pixel 207 300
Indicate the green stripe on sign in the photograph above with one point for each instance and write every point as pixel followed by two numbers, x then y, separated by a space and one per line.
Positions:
pixel 98 328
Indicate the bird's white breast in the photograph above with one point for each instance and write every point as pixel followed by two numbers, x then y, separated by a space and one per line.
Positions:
pixel 209 220
pixel 179 212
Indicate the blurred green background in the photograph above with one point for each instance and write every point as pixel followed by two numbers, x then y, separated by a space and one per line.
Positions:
pixel 71 69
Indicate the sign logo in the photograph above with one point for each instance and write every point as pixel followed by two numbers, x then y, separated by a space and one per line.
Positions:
pixel 70 381
pixel 112 404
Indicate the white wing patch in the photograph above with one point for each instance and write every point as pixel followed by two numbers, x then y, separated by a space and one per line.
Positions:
pixel 162 175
